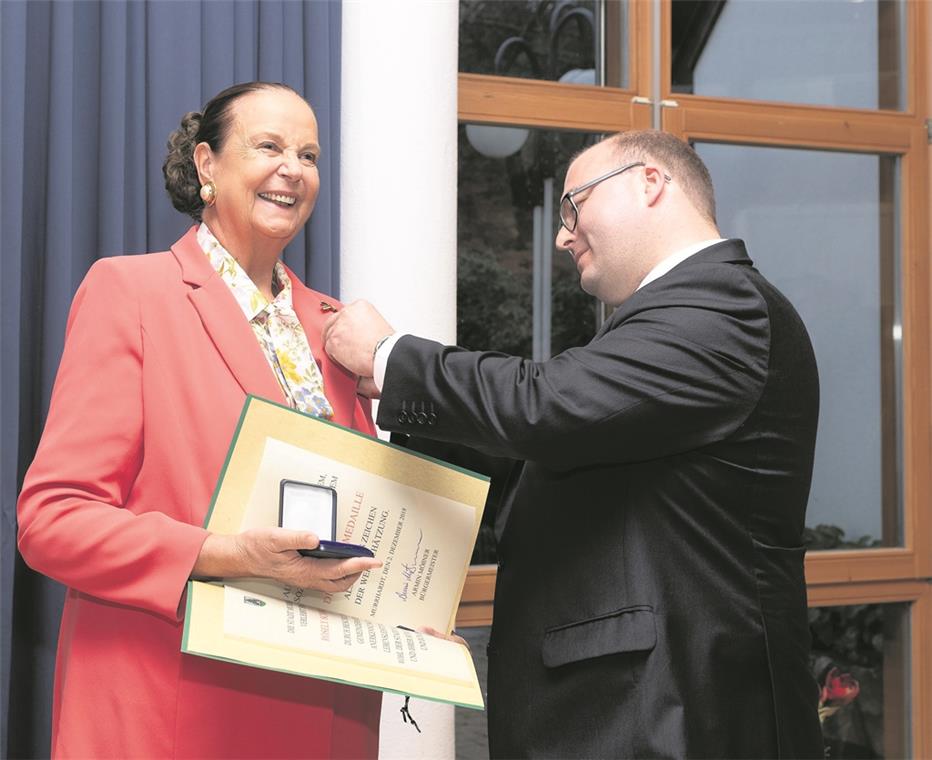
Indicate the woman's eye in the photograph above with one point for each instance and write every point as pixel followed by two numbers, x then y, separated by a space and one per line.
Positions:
pixel 268 146
pixel 310 158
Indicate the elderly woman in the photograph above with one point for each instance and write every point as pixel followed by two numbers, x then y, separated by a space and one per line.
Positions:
pixel 160 353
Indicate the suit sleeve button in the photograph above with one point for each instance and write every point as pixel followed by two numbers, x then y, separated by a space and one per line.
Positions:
pixel 403 418
pixel 421 418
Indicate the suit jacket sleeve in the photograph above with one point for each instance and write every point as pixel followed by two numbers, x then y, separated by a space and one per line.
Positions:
pixel 676 367
pixel 72 522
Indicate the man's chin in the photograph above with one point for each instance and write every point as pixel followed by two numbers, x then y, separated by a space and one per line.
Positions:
pixel 612 300
pixel 589 284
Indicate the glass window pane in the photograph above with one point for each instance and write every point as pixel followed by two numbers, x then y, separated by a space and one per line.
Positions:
pixel 860 655
pixel 817 52
pixel 822 226
pixel 516 292
pixel 575 41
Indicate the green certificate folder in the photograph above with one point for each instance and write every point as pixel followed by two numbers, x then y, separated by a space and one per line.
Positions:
pixel 418 515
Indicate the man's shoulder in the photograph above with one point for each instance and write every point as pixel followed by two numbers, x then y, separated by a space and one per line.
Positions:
pixel 731 269
pixel 714 303
pixel 718 279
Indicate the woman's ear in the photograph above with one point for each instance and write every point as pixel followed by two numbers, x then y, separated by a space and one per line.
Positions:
pixel 204 161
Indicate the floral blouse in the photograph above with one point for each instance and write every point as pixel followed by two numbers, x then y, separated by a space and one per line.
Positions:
pixel 276 327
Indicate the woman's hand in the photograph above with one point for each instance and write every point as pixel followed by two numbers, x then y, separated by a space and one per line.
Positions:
pixel 273 553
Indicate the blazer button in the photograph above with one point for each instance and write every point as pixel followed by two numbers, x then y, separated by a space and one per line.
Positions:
pixel 421 418
pixel 431 418
pixel 402 417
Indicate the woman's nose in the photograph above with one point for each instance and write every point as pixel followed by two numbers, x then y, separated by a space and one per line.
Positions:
pixel 290 166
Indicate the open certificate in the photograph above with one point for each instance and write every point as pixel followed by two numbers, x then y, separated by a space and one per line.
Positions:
pixel 419 516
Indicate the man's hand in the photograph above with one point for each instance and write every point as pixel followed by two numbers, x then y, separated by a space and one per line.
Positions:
pixel 452 636
pixel 366 387
pixel 351 334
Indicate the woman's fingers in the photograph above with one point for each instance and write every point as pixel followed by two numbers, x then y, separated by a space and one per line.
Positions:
pixel 332 575
pixel 273 553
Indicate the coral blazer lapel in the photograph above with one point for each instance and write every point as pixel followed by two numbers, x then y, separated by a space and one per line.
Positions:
pixel 236 343
pixel 339 385
pixel 224 322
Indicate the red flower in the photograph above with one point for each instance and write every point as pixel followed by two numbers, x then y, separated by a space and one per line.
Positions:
pixel 839 689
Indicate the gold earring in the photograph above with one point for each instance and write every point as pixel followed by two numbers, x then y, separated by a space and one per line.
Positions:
pixel 209 193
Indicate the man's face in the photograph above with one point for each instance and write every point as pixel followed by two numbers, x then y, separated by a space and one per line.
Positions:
pixel 608 225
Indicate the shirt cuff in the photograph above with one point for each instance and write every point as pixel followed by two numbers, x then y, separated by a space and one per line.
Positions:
pixel 380 361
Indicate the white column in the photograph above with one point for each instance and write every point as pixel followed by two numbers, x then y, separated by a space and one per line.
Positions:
pixel 398 215
pixel 398 161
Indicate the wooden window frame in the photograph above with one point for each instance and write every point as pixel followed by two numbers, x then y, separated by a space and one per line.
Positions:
pixel 484 99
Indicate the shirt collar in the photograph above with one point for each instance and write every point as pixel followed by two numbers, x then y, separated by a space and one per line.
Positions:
pixel 666 264
pixel 247 295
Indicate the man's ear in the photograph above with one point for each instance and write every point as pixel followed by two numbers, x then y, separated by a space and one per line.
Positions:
pixel 204 161
pixel 654 184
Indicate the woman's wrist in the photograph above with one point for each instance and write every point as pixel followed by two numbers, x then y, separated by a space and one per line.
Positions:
pixel 217 558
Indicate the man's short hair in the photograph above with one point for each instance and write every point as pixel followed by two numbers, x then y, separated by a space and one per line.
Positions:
pixel 677 157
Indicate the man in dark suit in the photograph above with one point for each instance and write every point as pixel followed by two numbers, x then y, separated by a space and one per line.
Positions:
pixel 650 598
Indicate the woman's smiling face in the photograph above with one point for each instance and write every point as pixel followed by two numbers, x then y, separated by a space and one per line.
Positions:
pixel 265 172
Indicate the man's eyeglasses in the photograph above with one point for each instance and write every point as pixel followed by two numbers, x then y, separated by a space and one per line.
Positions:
pixel 569 211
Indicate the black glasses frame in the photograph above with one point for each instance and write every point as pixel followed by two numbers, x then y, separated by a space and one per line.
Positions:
pixel 569 211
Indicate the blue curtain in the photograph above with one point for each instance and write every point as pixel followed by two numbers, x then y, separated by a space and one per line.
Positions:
pixel 91 91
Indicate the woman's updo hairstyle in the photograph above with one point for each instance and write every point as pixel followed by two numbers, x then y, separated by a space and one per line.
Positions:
pixel 210 126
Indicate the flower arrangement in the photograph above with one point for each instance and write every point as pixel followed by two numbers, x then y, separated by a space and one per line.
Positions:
pixel 839 689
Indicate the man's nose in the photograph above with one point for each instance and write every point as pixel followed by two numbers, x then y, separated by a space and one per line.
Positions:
pixel 564 237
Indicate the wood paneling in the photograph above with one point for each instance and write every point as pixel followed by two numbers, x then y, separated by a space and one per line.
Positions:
pixel 478 591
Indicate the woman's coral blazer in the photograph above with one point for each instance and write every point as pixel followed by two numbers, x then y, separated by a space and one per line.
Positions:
pixel 158 360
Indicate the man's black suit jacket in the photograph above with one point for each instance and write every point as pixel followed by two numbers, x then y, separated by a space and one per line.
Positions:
pixel 650 598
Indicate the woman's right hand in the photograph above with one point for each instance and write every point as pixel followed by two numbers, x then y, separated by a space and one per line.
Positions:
pixel 273 553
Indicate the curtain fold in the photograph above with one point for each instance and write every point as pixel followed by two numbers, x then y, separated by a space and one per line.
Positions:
pixel 91 91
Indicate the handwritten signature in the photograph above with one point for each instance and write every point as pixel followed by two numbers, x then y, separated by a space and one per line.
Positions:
pixel 407 571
